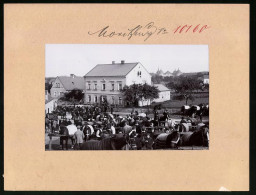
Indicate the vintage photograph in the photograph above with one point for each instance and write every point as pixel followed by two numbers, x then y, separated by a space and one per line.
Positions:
pixel 126 97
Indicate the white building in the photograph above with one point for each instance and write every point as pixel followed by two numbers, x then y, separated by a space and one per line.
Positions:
pixel 105 81
pixel 50 103
pixel 64 84
pixel 164 94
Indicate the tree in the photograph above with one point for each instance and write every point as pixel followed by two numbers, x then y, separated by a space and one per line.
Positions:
pixel 48 87
pixel 157 78
pixel 186 86
pixel 74 95
pixel 138 92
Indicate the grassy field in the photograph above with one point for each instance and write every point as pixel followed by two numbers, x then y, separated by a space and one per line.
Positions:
pixel 173 106
pixel 178 103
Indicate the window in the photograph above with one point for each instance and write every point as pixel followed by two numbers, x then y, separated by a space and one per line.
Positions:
pixel 95 86
pixel 113 86
pixel 120 86
pixel 139 73
pixel 120 101
pixel 55 93
pixel 103 86
pixel 89 98
pixel 95 99
pixel 89 86
pixel 113 100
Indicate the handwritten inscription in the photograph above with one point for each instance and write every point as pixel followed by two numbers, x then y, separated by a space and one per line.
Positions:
pixel 186 28
pixel 147 31
pixel 138 31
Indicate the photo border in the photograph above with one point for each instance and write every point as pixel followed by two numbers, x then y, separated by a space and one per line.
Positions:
pixel 252 116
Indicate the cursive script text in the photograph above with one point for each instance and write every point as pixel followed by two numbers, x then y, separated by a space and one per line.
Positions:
pixel 138 31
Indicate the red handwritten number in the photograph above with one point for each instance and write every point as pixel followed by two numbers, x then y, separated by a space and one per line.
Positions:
pixel 203 28
pixel 177 29
pixel 186 28
pixel 195 29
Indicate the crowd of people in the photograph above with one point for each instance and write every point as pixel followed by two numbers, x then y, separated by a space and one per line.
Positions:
pixel 81 124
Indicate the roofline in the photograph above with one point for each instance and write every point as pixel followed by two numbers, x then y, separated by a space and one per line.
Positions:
pixel 114 64
pixel 132 68
pixel 91 70
pixel 61 82
pixel 145 68
pixel 135 66
pixel 165 90
pixel 106 76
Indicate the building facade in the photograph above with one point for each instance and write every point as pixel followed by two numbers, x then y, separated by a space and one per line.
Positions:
pixel 50 103
pixel 164 93
pixel 64 84
pixel 105 81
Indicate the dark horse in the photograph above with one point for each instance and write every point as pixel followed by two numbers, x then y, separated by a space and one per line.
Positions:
pixel 167 140
pixel 111 143
pixel 197 138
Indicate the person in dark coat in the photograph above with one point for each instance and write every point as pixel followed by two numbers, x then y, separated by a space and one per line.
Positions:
pixel 64 136
pixel 148 143
pixel 156 117
pixel 166 114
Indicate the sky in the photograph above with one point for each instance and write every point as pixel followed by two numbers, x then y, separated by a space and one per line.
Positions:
pixel 78 59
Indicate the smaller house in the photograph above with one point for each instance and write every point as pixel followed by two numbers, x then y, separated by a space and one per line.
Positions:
pixel 164 94
pixel 50 103
pixel 63 84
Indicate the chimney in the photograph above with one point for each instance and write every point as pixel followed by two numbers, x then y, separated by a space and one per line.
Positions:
pixel 113 62
pixel 122 61
pixel 72 75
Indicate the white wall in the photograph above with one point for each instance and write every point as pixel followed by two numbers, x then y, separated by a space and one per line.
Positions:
pixel 50 105
pixel 163 96
pixel 132 77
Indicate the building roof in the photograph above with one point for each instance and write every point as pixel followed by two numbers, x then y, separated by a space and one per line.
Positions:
pixel 161 87
pixel 116 69
pixel 70 83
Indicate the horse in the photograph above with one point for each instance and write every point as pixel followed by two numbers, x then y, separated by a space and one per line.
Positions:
pixel 199 137
pixel 111 143
pixel 167 140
